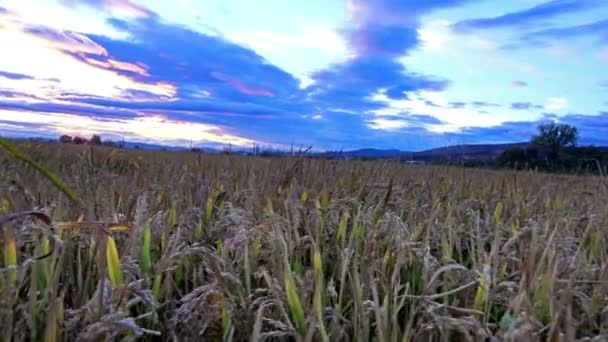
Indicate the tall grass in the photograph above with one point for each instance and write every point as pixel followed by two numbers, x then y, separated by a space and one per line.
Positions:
pixel 184 246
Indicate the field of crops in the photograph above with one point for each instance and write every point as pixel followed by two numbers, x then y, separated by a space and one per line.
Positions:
pixel 184 246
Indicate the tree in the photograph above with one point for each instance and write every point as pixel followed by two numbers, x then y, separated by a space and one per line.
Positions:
pixel 66 139
pixel 552 138
pixel 95 140
pixel 79 141
pixel 519 157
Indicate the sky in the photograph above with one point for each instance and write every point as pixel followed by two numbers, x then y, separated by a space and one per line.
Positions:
pixel 331 74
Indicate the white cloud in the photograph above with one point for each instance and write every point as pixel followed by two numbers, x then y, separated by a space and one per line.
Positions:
pixel 464 50
pixel 431 104
pixel 317 117
pixel 556 103
pixel 33 55
pixel 300 52
pixel 313 36
pixel 437 35
pixel 386 124
pixel 50 14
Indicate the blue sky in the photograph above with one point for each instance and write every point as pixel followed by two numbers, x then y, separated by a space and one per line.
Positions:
pixel 332 74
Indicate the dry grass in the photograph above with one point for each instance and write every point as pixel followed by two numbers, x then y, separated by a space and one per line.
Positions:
pixel 243 248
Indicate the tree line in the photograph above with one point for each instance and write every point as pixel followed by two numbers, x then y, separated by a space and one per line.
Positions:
pixel 555 148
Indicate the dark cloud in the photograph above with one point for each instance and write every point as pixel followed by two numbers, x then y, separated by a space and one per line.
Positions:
pixel 592 129
pixel 77 109
pixel 384 40
pixel 423 119
pixel 484 104
pixel 9 94
pixel 457 104
pixel 194 61
pixel 598 28
pixel 382 31
pixel 348 85
pixel 529 16
pixel 519 84
pixel 187 105
pixel 15 76
pixel 525 106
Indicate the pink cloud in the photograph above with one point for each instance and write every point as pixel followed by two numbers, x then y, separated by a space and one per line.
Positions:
pixel 241 87
pixel 128 7
pixel 250 91
pixel 125 7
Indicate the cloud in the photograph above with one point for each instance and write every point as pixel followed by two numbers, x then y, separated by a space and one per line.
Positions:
pixel 141 128
pixel 349 85
pixel 9 94
pixel 527 105
pixel 519 84
pixel 591 29
pixel 556 103
pixel 179 61
pixel 484 104
pixel 592 129
pixel 451 117
pixel 387 124
pixel 194 61
pixel 67 108
pixel 380 33
pixel 531 15
pixel 15 76
pixel 186 105
pixel 457 104
pixel 119 7
pixel 64 41
pixel 387 26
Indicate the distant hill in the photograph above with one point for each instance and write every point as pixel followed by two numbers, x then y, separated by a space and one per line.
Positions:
pixel 456 152
pixel 365 153
pixel 478 152
pixel 464 152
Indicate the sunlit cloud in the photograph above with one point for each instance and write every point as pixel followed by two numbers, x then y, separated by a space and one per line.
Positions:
pixel 387 124
pixel 117 7
pixel 241 87
pixel 67 57
pixel 144 128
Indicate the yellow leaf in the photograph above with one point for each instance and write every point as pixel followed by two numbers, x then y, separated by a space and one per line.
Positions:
pixel 10 255
pixel 113 261
pixel 146 259
pixel 293 301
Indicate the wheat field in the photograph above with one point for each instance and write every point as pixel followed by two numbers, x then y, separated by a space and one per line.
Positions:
pixel 184 246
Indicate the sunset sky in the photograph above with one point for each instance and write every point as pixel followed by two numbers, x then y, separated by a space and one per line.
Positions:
pixel 329 73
